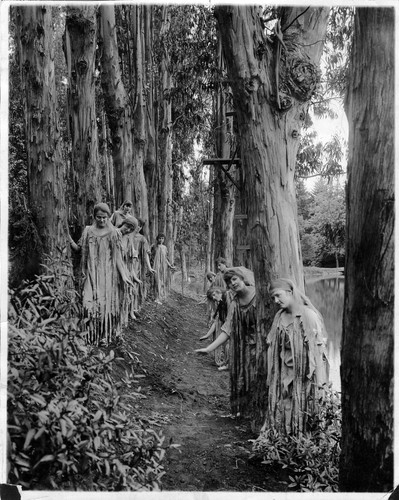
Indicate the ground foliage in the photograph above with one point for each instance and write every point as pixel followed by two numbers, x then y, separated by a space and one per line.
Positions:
pixel 312 459
pixel 67 422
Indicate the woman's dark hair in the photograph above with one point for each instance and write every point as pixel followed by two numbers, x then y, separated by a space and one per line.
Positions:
pixel 212 289
pixel 229 273
pixel 160 235
pixel 221 260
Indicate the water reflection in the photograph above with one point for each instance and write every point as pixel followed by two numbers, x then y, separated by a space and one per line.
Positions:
pixel 327 296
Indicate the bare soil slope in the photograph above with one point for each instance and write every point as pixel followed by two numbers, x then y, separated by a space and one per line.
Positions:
pixel 186 397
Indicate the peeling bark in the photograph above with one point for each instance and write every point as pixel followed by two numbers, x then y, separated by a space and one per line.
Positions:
pixel 165 206
pixel 46 171
pixel 128 163
pixel 80 42
pixel 224 188
pixel 367 343
pixel 151 159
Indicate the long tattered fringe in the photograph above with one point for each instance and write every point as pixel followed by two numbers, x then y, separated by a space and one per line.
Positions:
pixel 102 329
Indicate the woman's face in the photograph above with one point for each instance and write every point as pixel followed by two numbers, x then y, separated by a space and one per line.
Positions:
pixel 283 298
pixel 161 240
pixel 237 284
pixel 126 229
pixel 127 208
pixel 222 267
pixel 101 218
pixel 217 296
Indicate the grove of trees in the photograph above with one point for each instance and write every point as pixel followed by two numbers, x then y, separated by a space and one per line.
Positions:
pixel 116 102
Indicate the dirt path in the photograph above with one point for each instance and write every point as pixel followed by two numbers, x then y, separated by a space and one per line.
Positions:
pixel 188 398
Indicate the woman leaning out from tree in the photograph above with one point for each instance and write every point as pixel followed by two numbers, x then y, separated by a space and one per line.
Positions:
pixel 103 276
pixel 161 267
pixel 129 253
pixel 297 366
pixel 219 298
pixel 240 329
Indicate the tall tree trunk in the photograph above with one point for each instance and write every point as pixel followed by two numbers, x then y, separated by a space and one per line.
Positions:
pixel 210 255
pixel 269 122
pixel 129 175
pixel 105 158
pixel 80 42
pixel 46 171
pixel 225 187
pixel 140 110
pixel 367 342
pixel 151 160
pixel 165 208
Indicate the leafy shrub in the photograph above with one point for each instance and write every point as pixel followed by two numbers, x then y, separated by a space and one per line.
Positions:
pixel 312 459
pixel 67 424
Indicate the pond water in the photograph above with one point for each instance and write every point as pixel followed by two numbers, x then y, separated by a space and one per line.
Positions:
pixel 327 295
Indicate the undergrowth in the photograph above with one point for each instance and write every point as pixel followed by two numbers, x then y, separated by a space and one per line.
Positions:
pixel 312 459
pixel 68 426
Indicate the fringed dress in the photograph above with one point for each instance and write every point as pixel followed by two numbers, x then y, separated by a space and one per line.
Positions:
pixel 221 353
pixel 130 292
pixel 240 326
pixel 297 368
pixel 117 218
pixel 161 268
pixel 101 284
pixel 143 249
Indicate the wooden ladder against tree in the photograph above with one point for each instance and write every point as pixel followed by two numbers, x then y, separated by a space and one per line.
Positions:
pixel 242 248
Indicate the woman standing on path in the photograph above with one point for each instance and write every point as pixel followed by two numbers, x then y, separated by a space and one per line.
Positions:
pixel 240 329
pixel 141 262
pixel 129 252
pixel 161 267
pixel 119 215
pixel 297 365
pixel 103 274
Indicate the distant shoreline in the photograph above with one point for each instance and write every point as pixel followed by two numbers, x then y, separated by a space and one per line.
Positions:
pixel 313 273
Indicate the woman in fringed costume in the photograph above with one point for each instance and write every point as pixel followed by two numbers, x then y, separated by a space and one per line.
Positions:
pixel 161 267
pixel 297 365
pixel 210 304
pixel 240 329
pixel 103 276
pixel 221 353
pixel 119 215
pixel 129 252
pixel 141 262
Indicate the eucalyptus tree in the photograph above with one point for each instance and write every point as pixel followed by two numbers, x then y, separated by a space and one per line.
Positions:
pixel 368 335
pixel 225 184
pixel 136 31
pixel 185 55
pixel 46 172
pixel 80 43
pixel 325 223
pixel 127 131
pixel 273 75
pixel 165 135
